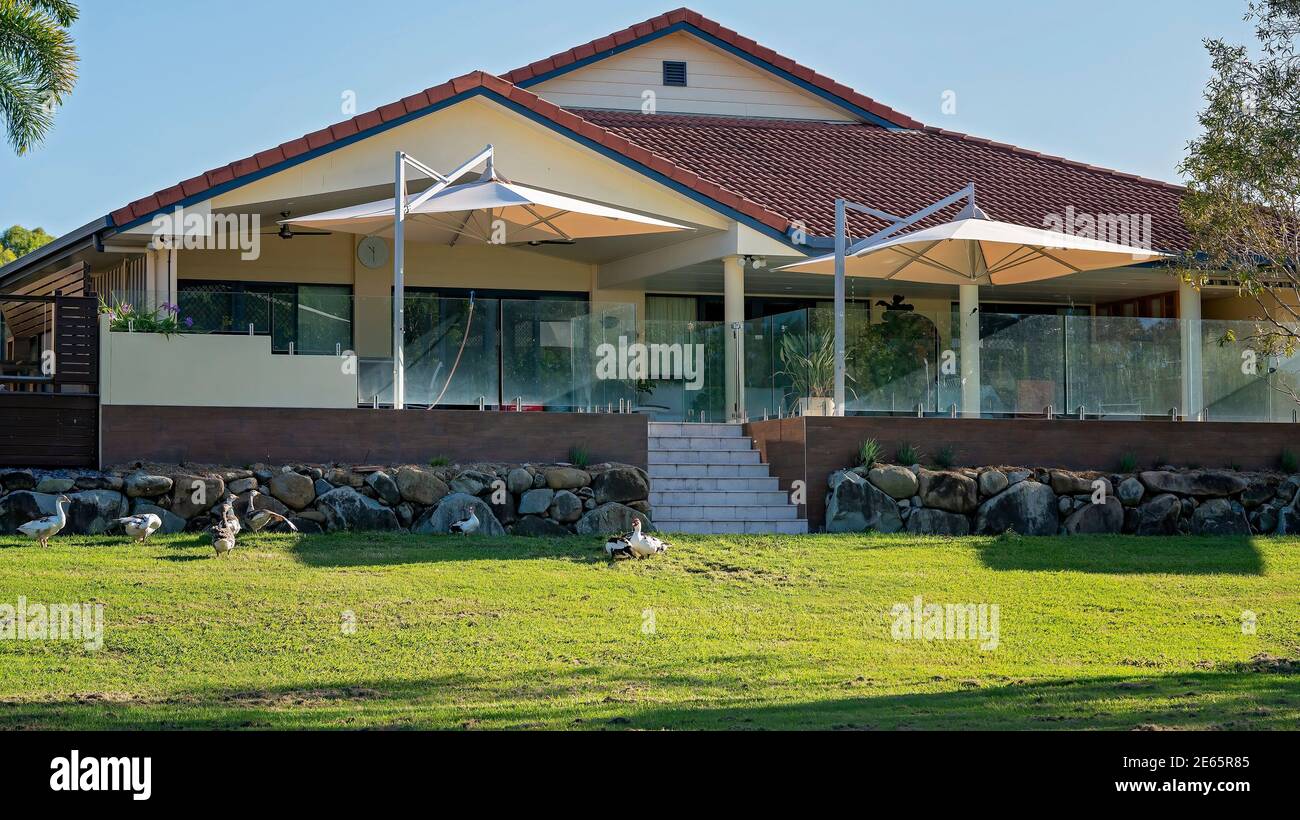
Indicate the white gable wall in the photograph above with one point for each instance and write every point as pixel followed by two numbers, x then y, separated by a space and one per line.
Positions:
pixel 717 83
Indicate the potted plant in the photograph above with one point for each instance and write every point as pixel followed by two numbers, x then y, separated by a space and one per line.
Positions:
pixel 808 360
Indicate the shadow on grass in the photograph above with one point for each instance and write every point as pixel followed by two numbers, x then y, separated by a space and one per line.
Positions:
pixel 1223 700
pixel 371 549
pixel 1125 554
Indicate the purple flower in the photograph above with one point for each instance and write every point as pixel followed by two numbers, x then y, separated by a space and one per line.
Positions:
pixel 189 321
pixel 125 308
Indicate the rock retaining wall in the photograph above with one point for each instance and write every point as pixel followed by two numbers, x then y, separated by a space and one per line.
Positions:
pixel 1037 501
pixel 534 499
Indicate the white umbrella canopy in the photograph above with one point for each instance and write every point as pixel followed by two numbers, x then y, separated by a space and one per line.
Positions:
pixel 976 250
pixel 467 213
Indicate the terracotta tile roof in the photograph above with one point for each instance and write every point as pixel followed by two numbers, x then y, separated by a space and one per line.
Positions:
pixel 798 168
pixel 472 82
pixel 526 74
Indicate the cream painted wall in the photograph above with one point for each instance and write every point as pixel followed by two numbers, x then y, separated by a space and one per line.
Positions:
pixel 717 83
pixel 216 371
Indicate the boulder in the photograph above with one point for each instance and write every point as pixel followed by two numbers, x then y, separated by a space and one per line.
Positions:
pixel 1131 491
pixel 610 518
pixel 621 484
pixel 565 507
pixel 949 491
pixel 239 486
pixel 519 481
pixel 925 521
pixel 1286 490
pixel 385 487
pixel 314 515
pixel 13 480
pixel 195 494
pixel 306 526
pixel 1264 519
pixel 347 509
pixel 505 513
pixel 1029 508
pixel 1159 516
pixel 472 482
pixel 55 485
pixel 856 505
pixel 99 481
pixel 566 478
pixel 1202 483
pixel 993 482
pixel 420 486
pixel 453 508
pixel 295 490
pixel 536 502
pixel 535 526
pixel 1257 493
pixel 895 481
pixel 1097 519
pixel 321 485
pixel 143 485
pixel 171 522
pixel 1219 516
pixel 1017 476
pixel 17 508
pixel 94 512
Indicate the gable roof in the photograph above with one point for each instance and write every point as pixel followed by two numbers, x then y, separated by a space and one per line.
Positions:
pixel 797 168
pixel 456 90
pixel 770 173
pixel 710 31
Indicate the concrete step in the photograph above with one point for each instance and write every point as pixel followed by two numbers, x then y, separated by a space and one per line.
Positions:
pixel 658 471
pixel 696 513
pixel 704 457
pixel 798 527
pixel 661 429
pixel 729 485
pixel 718 498
pixel 729 443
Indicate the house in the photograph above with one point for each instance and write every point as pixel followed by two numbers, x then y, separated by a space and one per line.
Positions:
pixel 678 118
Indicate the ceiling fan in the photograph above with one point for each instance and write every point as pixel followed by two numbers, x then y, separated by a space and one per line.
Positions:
pixel 285 232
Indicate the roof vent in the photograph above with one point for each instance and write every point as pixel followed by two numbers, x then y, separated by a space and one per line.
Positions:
pixel 674 72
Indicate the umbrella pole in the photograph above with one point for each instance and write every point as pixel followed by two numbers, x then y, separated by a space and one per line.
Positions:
pixel 399 284
pixel 841 246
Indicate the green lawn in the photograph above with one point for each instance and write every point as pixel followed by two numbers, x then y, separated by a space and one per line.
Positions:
pixel 754 632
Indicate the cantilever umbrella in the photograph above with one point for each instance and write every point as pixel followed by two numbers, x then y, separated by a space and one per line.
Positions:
pixel 976 250
pixel 489 210
pixel 970 251
pixel 470 212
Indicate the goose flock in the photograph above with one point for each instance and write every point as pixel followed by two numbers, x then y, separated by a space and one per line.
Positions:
pixel 224 532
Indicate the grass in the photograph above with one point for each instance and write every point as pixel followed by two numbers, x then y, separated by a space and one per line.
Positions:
pixel 753 632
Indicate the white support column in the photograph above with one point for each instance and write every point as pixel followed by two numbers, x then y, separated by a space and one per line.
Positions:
pixel 160 278
pixel 733 312
pixel 1189 332
pixel 968 302
pixel 399 282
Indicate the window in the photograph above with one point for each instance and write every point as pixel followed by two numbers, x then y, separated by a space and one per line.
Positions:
pixel 314 318
pixel 674 72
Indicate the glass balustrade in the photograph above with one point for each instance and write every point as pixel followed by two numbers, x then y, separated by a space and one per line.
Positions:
pixel 581 356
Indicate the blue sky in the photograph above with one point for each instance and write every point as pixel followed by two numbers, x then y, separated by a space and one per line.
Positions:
pixel 167 92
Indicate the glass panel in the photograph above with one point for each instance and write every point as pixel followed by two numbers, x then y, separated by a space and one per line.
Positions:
pixel 1022 364
pixel 699 394
pixel 324 319
pixel 1123 367
pixel 1241 382
pixel 451 353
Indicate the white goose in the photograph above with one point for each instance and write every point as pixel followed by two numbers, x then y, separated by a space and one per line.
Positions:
pixel 635 544
pixel 140 527
pixel 43 529
pixel 467 525
pixel 259 520
pixel 228 516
